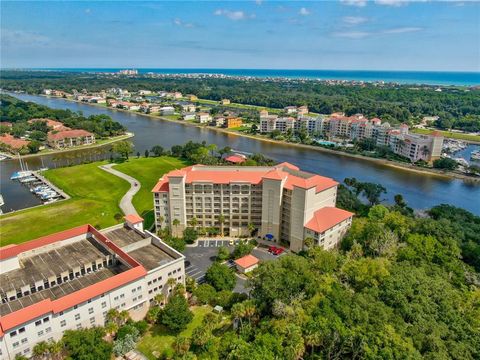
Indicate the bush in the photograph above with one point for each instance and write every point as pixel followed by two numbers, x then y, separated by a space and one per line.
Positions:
pixel 204 293
pixel 223 253
pixel 141 326
pixel 242 249
pixel 221 277
pixel 126 330
pixel 445 163
pixel 190 235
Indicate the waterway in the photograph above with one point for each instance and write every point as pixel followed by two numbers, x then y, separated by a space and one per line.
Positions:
pixel 421 191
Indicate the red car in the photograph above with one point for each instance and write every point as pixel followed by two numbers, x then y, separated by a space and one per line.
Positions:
pixel 278 251
pixel 271 249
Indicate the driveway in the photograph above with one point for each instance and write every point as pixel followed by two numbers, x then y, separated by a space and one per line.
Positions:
pixel 126 201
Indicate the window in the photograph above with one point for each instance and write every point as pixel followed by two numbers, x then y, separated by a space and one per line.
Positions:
pixel 15 344
pixel 48 329
pixel 26 351
pixel 79 326
pixel 24 340
pixel 40 333
pixel 92 320
pixel 77 316
pixel 122 296
pixel 115 298
pixel 104 304
pixel 21 330
pixel 13 333
pixel 63 323
pixel 90 311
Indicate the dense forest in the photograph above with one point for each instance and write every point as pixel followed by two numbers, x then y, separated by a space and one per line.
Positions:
pixel 19 112
pixel 457 107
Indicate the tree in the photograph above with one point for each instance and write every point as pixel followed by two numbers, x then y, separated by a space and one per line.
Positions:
pixel 157 150
pixel 138 154
pixel 181 345
pixel 204 293
pixel 147 153
pixel 445 163
pixel 34 146
pixel 87 344
pixel 251 228
pixel 221 277
pixel 193 222
pixel 223 253
pixel 123 148
pixel 190 235
pixel 176 315
pixel 242 249
pixel 175 223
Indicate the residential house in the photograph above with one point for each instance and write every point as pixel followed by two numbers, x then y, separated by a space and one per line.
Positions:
pixel 69 138
pixel 203 117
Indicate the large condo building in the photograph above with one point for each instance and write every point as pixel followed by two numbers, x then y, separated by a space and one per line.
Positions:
pixel 277 202
pixel 69 280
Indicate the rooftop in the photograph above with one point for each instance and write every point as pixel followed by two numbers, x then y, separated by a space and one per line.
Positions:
pixel 292 176
pixel 124 236
pixel 151 256
pixel 247 261
pixel 326 218
pixel 65 134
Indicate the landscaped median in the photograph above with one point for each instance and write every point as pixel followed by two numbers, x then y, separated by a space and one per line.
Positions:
pixel 95 195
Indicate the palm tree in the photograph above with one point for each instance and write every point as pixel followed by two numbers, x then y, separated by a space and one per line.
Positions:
pixel 251 228
pixel 221 221
pixel 40 350
pixel 193 222
pixel 161 219
pixel 111 328
pixel 171 282
pixel 308 242
pixel 175 223
pixel 159 299
pixel 55 349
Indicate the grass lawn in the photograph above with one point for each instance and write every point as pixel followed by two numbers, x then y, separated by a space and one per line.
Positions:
pixel 159 339
pixel 147 171
pixel 95 195
pixel 449 134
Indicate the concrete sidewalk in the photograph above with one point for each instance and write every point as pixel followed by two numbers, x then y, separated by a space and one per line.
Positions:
pixel 126 202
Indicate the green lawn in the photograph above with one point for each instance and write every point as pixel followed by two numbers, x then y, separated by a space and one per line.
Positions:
pixel 159 339
pixel 95 195
pixel 449 134
pixel 147 171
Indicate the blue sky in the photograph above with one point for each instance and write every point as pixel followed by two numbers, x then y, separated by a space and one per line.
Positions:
pixel 348 34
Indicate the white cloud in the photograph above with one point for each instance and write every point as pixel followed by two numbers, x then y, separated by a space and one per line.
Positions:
pixel 354 20
pixel 234 15
pixel 358 3
pixel 402 30
pixel 179 22
pixel 304 11
pixel 23 38
pixel 397 3
pixel 352 34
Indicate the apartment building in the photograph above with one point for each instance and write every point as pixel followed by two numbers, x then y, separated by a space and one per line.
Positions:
pixel 233 122
pixel 203 117
pixel 279 201
pixel 269 123
pixel 69 138
pixel 69 280
pixel 415 146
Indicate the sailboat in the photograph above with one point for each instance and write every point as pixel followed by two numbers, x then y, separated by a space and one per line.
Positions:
pixel 24 172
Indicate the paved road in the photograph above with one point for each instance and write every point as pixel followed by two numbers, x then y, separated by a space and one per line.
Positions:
pixel 126 201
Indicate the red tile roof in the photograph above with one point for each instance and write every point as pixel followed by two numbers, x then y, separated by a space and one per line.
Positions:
pixel 133 218
pixel 14 143
pixel 247 261
pixel 252 175
pixel 235 159
pixel 57 125
pixel 66 134
pixel 326 218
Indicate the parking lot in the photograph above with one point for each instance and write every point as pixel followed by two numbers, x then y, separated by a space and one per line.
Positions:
pixel 217 243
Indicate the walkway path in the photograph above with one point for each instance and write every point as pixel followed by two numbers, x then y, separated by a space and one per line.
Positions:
pixel 126 201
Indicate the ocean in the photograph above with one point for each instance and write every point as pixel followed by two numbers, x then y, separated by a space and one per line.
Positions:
pixel 402 77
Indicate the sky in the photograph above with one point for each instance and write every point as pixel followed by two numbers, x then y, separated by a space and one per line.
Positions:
pixel 345 34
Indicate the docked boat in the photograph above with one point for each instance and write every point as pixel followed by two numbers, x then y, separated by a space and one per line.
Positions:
pixel 461 161
pixel 20 174
pixel 475 155
pixel 28 179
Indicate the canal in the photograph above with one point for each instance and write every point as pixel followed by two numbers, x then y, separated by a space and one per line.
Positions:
pixel 420 190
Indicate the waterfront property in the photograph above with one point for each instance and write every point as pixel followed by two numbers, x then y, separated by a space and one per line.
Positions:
pixel 69 280
pixel 69 138
pixel 277 203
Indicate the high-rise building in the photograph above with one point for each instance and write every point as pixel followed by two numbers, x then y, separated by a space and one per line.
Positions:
pixel 281 203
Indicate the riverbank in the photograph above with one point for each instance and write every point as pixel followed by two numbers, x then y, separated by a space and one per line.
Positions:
pixel 384 162
pixel 99 143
